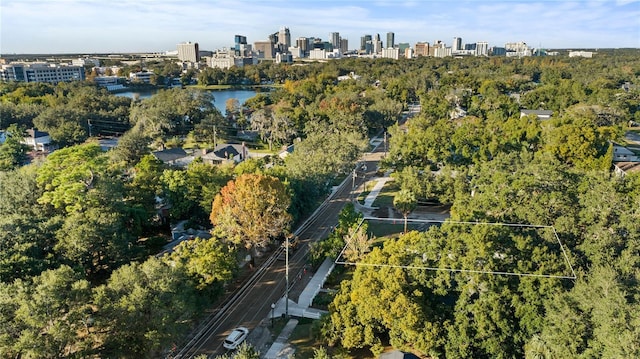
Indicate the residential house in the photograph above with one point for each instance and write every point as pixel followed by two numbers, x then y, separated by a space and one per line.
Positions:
pixel 226 153
pixel 286 151
pixel 623 154
pixel 37 140
pixel 625 160
pixel 171 156
pixel 541 114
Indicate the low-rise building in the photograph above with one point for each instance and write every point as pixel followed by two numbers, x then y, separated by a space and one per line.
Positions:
pixel 142 76
pixel 41 72
pixel 541 114
pixel 38 140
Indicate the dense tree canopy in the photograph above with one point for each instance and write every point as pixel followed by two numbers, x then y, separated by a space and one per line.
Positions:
pixel 80 228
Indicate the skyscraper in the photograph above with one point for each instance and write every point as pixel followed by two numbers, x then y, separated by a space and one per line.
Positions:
pixel 238 41
pixel 284 37
pixel 344 45
pixel 482 48
pixel 188 52
pixel 457 44
pixel 377 44
pixel 364 40
pixel 390 39
pixel 335 40
pixel 303 44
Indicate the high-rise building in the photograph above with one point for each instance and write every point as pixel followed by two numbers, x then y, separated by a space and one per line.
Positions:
pixel 344 45
pixel 364 40
pixel 335 39
pixel 390 53
pixel 189 52
pixel 238 41
pixel 517 49
pixel 482 48
pixel 422 49
pixel 377 44
pixel 303 44
pixel 457 44
pixel 264 49
pixel 284 37
pixel 390 39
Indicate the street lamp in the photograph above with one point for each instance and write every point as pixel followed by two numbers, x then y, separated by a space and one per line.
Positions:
pixel 273 308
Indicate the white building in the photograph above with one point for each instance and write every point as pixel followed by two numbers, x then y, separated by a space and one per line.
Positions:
pixel 517 49
pixel 37 140
pixel 41 72
pixel 442 51
pixel 482 48
pixel 189 51
pixel 391 53
pixel 85 61
pixel 142 76
pixel 587 54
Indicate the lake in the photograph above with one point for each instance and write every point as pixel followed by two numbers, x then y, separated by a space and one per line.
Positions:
pixel 220 96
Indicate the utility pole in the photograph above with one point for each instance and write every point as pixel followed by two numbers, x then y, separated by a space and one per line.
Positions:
pixel 286 290
pixel 215 133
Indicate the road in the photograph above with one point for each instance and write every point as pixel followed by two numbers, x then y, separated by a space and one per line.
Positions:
pixel 251 303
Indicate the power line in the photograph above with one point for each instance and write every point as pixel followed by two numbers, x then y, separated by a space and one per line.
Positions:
pixel 564 254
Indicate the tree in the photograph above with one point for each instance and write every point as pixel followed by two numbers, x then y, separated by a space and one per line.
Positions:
pixel 208 261
pixel 69 175
pixel 358 244
pixel 272 127
pixel 405 202
pixel 142 308
pixel 132 146
pixel 12 152
pixel 232 107
pixel 251 210
pixel 95 239
pixel 324 153
pixel 65 125
pixel 51 316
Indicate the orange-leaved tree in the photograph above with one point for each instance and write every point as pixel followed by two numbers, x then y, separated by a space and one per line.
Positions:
pixel 251 209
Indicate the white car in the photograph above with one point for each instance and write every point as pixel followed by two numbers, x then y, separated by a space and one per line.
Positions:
pixel 236 337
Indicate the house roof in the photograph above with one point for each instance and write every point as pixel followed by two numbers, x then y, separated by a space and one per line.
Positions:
pixel 397 354
pixel 628 167
pixel 539 113
pixel 287 151
pixel 224 152
pixel 170 154
pixel 33 133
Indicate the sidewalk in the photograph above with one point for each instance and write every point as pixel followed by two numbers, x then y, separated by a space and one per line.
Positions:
pixel 371 196
pixel 280 348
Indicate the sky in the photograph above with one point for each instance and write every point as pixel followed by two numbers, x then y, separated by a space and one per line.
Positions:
pixel 116 26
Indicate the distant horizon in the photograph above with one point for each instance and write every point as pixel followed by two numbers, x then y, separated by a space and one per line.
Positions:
pixel 40 27
pixel 159 52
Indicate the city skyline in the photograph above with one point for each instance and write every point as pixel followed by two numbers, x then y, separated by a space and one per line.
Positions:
pixel 74 26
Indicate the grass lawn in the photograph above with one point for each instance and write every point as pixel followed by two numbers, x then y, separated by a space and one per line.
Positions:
pixel 303 339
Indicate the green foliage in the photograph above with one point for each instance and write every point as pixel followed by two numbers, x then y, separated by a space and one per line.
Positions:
pixel 96 240
pixel 348 220
pixel 171 112
pixel 12 152
pixel 46 318
pixel 70 174
pixel 142 308
pixel 208 261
